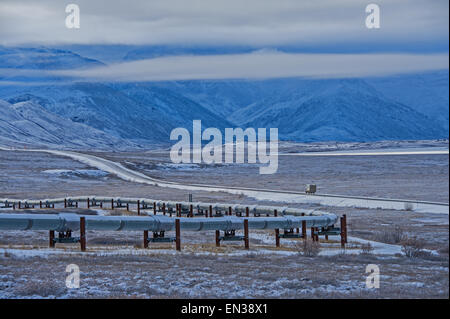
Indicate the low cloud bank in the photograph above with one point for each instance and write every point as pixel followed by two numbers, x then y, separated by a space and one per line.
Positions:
pixel 261 65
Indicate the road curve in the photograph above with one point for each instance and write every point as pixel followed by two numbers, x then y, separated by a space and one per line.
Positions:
pixel 261 194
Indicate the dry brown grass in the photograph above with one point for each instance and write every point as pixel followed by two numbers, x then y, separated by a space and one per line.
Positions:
pixel 43 288
pixel 412 247
pixel 394 235
pixel 366 249
pixel 189 275
pixel 444 250
pixel 308 248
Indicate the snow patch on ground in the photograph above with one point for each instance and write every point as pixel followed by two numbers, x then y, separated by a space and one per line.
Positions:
pixel 181 167
pixel 394 151
pixel 438 221
pixel 76 173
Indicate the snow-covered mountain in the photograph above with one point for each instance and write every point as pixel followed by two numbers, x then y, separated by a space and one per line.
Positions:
pixel 132 111
pixel 155 51
pixel 427 93
pixel 28 123
pixel 43 58
pixel 413 106
pixel 223 97
pixel 27 65
pixel 343 110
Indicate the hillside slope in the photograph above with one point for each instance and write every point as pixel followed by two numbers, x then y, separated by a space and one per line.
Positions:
pixel 343 110
pixel 29 123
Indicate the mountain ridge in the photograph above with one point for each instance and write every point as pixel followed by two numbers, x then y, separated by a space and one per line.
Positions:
pixel 302 109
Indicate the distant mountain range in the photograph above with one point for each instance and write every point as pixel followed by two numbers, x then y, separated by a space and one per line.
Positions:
pixel 43 59
pixel 59 112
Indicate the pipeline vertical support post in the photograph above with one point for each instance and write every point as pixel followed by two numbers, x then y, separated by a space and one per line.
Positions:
pixel 230 211
pixel 112 203
pixel 154 208
pixel 277 231
pixel 317 233
pixel 217 238
pixel 83 233
pixel 40 204
pixel 304 233
pixel 345 227
pixel 164 208
pixel 342 232
pixel 313 236
pixel 65 203
pixel 145 238
pixel 51 238
pixel 246 236
pixel 210 210
pixel 177 210
pixel 191 211
pixel 177 235
pixel 87 203
pixel 128 207
pixel 139 207
pixel 277 237
pixel 247 212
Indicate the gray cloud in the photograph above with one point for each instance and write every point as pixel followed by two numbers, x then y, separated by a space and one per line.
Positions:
pixel 250 22
pixel 261 65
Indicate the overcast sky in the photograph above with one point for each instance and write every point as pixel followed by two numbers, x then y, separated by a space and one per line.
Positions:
pixel 410 26
pixel 249 22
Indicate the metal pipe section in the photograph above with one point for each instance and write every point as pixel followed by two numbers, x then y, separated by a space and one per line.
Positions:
pixel 166 205
pixel 69 221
